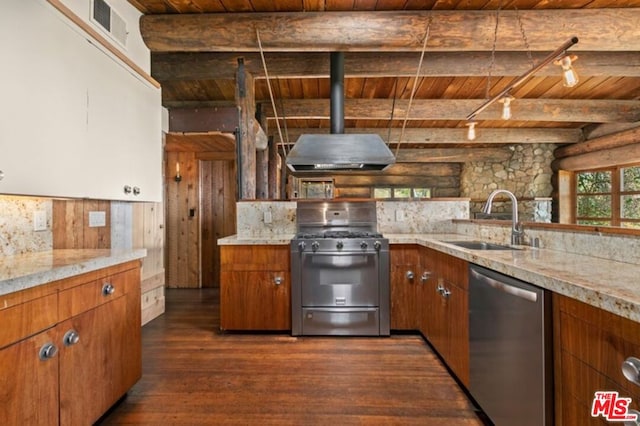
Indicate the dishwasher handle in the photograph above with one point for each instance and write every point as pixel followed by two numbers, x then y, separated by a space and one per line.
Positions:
pixel 531 296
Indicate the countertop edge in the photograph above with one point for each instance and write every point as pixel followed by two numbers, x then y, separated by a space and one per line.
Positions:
pixel 79 262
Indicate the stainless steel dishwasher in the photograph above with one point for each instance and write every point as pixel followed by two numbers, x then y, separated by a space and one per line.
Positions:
pixel 510 349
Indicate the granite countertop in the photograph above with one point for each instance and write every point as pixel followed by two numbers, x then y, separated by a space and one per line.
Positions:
pixel 606 284
pixel 22 271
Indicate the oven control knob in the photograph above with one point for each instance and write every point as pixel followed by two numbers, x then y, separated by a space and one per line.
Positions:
pixel 315 246
pixel 377 245
pixel 364 245
pixel 301 245
pixel 339 244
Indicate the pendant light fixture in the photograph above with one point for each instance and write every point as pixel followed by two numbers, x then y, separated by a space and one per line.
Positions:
pixel 471 130
pixel 506 106
pixel 569 75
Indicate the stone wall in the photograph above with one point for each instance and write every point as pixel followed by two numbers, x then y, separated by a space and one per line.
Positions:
pixel 527 174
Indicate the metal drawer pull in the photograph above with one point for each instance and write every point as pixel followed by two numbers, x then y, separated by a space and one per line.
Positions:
pixel 70 338
pixel 48 351
pixel 278 280
pixel 108 289
pixel 425 276
pixel 631 369
pixel 446 292
pixel 410 275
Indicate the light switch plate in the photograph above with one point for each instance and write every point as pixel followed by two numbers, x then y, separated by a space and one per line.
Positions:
pixel 40 220
pixel 97 219
pixel 267 217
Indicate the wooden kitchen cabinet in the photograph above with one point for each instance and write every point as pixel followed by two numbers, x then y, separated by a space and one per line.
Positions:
pixel 590 346
pixel 406 287
pixel 255 288
pixel 84 373
pixel 444 321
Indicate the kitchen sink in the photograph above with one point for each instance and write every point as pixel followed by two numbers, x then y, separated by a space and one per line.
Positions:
pixel 480 245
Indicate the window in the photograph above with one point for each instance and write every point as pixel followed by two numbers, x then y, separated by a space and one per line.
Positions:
pixel 609 197
pixel 401 193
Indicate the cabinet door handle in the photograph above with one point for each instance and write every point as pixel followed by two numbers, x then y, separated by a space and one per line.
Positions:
pixel 127 189
pixel 631 369
pixel 70 338
pixel 108 289
pixel 425 276
pixel 278 280
pixel 48 351
pixel 410 275
pixel 136 190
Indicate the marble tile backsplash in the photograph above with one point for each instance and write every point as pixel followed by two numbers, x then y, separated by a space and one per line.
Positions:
pixel 256 219
pixel 417 217
pixel 16 225
pixel 621 248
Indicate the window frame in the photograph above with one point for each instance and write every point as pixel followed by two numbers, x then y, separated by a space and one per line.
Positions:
pixel 394 188
pixel 616 194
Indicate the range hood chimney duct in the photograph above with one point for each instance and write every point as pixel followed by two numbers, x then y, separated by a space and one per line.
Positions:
pixel 337 93
pixel 338 151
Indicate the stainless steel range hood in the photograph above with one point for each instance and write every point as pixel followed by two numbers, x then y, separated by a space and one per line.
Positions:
pixel 338 151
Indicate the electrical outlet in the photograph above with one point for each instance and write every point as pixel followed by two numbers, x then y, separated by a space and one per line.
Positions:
pixel 267 218
pixel 97 219
pixel 40 220
pixel 399 215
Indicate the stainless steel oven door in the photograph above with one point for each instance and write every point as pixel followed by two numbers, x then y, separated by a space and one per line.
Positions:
pixel 359 321
pixel 339 279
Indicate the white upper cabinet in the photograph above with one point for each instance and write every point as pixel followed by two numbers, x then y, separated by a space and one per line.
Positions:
pixel 74 121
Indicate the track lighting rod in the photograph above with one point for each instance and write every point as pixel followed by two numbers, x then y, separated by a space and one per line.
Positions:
pixel 552 56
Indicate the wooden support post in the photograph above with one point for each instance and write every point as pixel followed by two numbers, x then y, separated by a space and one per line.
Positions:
pixel 262 174
pixel 274 170
pixel 245 99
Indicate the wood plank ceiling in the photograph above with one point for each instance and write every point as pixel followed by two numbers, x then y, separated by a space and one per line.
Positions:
pixel 196 45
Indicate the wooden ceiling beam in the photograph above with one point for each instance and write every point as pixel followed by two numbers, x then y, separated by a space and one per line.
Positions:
pixel 291 65
pixel 459 30
pixel 456 135
pixel 552 110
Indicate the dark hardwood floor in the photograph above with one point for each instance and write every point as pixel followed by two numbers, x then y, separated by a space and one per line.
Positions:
pixel 193 375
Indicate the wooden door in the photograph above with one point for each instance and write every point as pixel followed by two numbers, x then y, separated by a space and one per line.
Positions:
pixel 218 215
pixel 91 370
pixel 405 278
pixel 29 385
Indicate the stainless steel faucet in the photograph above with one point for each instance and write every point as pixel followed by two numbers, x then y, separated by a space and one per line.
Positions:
pixel 516 230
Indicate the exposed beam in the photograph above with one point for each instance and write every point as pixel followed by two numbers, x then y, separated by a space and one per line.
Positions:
pixel 458 136
pixel 619 156
pixel 452 155
pixel 608 142
pixel 559 110
pixel 210 66
pixel 371 180
pixel 460 30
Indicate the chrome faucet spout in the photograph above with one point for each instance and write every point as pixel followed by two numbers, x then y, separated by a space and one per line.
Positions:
pixel 516 230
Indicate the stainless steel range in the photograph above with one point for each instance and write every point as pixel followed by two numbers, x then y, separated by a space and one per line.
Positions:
pixel 339 271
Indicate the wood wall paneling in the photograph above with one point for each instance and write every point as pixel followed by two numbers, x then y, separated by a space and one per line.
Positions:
pixel 71 228
pixel 182 221
pixel 148 233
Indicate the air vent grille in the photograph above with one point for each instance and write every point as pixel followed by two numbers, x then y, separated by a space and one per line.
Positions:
pixel 110 21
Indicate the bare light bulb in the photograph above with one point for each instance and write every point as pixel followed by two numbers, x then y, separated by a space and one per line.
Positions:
pixel 471 131
pixel 569 75
pixel 506 107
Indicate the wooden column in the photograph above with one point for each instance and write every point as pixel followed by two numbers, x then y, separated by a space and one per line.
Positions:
pixel 262 174
pixel 274 171
pixel 245 99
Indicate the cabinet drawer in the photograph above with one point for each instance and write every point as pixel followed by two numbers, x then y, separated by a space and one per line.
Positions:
pixel 87 296
pixel 28 318
pixel 254 258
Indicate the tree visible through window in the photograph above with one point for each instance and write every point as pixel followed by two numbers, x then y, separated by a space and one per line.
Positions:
pixel 609 197
pixel 401 193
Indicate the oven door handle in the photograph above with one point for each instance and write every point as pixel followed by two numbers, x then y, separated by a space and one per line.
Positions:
pixel 347 310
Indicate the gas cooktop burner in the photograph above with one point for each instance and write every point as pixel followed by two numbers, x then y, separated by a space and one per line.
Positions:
pixel 339 234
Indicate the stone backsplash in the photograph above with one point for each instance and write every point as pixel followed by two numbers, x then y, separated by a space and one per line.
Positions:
pixel 16 225
pixel 416 217
pixel 527 174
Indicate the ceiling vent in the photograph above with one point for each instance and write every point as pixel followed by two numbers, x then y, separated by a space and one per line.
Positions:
pixel 110 21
